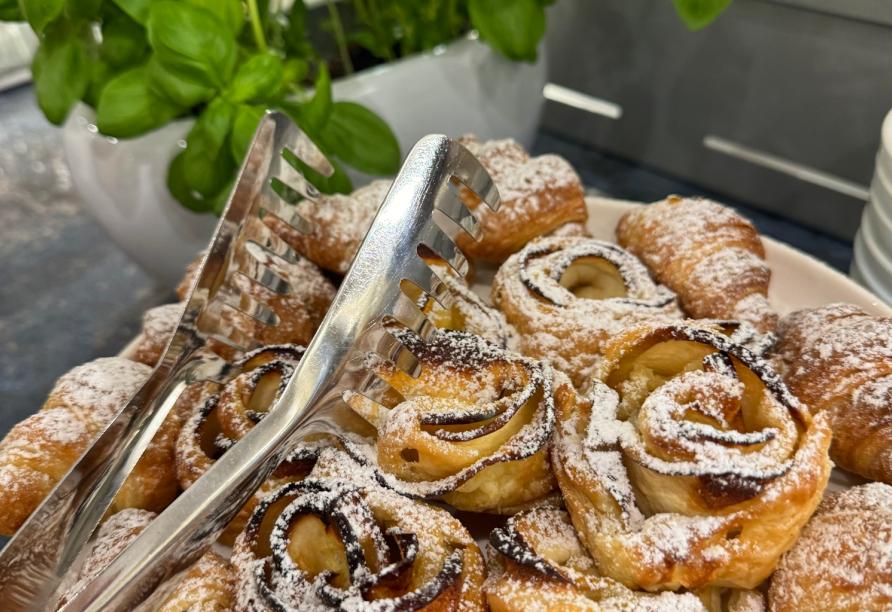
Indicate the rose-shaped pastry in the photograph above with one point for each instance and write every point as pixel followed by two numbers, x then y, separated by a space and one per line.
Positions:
pixel 467 312
pixel 567 296
pixel 541 565
pixel 323 543
pixel 471 429
pixel 691 465
pixel 226 416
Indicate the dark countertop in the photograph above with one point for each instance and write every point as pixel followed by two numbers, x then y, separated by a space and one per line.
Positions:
pixel 69 295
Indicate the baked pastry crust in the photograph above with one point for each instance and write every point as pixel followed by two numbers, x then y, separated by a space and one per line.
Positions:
pixel 298 313
pixel 471 429
pixel 843 559
pixel 208 586
pixel 538 195
pixel 839 359
pixel 339 224
pixel 692 465
pixel 158 325
pixel 539 564
pixel 707 254
pixel 468 312
pixel 228 414
pixel 327 543
pixel 567 296
pixel 41 449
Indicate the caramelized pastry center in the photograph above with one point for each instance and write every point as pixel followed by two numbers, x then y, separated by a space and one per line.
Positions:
pixel 265 392
pixel 326 553
pixel 593 278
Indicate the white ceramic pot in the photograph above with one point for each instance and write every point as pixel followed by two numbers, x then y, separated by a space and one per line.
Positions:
pixel 122 184
pixel 459 88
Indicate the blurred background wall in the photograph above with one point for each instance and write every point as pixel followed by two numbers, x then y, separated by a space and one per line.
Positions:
pixel 778 103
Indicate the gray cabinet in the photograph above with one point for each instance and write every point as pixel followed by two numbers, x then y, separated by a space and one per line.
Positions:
pixel 774 104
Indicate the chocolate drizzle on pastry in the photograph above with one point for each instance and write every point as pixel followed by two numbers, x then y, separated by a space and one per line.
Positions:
pixel 509 541
pixel 546 284
pixel 676 466
pixel 469 389
pixel 567 296
pixel 381 543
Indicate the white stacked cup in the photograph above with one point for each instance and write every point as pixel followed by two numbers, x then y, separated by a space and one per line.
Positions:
pixel 872 261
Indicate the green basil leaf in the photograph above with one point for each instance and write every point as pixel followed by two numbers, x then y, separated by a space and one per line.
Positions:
pixel 207 162
pixel 213 126
pixel 11 11
pixel 312 115
pixel 100 74
pixel 123 40
pixel 247 118
pixel 180 189
pixel 219 201
pixel 169 86
pixel 137 9
pixel 128 107
pixel 361 139
pixel 40 13
pixel 296 37
pixel 338 182
pixel 296 69
pixel 259 77
pixel 697 14
pixel 61 71
pixel 191 43
pixel 83 9
pixel 230 12
pixel 512 27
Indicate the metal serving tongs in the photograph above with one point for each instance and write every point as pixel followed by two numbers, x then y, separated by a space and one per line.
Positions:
pixel 46 547
pixel 410 238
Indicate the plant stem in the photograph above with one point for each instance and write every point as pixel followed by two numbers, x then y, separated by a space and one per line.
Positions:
pixel 257 26
pixel 340 38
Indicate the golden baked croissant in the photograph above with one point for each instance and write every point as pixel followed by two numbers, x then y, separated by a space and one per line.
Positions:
pixel 706 253
pixel 208 586
pixel 339 224
pixel 471 429
pixel 538 195
pixel 843 559
pixel 38 451
pixel 230 413
pixel 567 296
pixel 691 465
pixel 322 543
pixel 158 325
pixel 541 565
pixel 839 359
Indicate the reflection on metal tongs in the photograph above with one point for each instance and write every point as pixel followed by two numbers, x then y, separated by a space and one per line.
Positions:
pixel 410 239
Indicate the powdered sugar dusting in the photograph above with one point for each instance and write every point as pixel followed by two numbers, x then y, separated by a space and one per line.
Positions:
pixel 567 330
pixel 686 425
pixel 339 223
pixel 100 387
pixel 843 559
pixel 707 253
